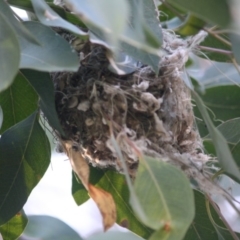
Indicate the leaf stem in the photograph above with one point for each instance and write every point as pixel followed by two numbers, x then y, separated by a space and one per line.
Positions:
pixel 216 50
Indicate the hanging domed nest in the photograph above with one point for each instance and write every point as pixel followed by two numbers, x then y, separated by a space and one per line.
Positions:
pixel 152 112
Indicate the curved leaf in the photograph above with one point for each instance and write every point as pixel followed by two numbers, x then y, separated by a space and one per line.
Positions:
pixel 231 130
pixel 25 156
pixel 1 117
pixel 223 152
pixel 115 184
pixel 166 198
pixel 9 53
pixel 115 235
pixel 14 227
pixel 202 228
pixel 214 11
pixel 213 74
pixel 50 18
pixel 48 228
pixel 107 16
pixel 235 40
pixel 19 28
pixel 17 102
pixel 192 25
pixel 54 53
pixel 43 85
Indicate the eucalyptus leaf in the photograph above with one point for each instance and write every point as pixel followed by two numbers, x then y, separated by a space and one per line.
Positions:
pixel 54 54
pixel 43 85
pixel 1 117
pixel 222 103
pixel 48 228
pixel 235 40
pixel 27 5
pixel 25 156
pixel 223 152
pixel 108 16
pixel 231 130
pixel 166 198
pixel 110 235
pixel 141 38
pixel 9 53
pixel 213 74
pixel 19 28
pixel 202 227
pixel 115 184
pixel 192 25
pixel 14 227
pixel 50 18
pixel 17 102
pixel 214 11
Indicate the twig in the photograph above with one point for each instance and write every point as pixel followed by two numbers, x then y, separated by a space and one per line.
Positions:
pixel 216 50
pixel 218 37
pixel 233 234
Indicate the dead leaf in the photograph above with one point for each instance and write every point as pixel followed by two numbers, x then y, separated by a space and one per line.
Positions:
pixel 103 199
pixel 106 205
pixel 79 165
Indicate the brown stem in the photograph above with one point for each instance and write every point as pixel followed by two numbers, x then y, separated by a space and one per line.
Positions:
pixel 216 50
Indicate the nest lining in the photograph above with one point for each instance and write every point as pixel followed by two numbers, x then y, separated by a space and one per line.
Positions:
pixel 153 112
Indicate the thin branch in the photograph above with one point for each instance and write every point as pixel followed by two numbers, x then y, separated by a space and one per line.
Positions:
pixel 218 37
pixel 216 50
pixel 233 234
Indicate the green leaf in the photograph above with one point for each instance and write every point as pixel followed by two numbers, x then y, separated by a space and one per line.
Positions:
pixel 25 156
pixel 43 85
pixel 48 228
pixel 54 54
pixel 79 192
pixel 115 184
pixel 19 28
pixel 9 53
pixel 50 18
pixel 107 16
pixel 27 5
pixel 235 150
pixel 223 104
pixel 17 102
pixel 192 25
pixel 235 40
pixel 214 11
pixel 166 198
pixel 214 74
pixel 231 130
pixel 14 227
pixel 223 152
pixel 1 117
pixel 202 228
pixel 110 235
pixel 140 39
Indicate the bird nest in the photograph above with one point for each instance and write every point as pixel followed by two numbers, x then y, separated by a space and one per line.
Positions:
pixel 151 112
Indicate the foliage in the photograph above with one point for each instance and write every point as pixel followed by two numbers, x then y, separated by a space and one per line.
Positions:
pixel 160 203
